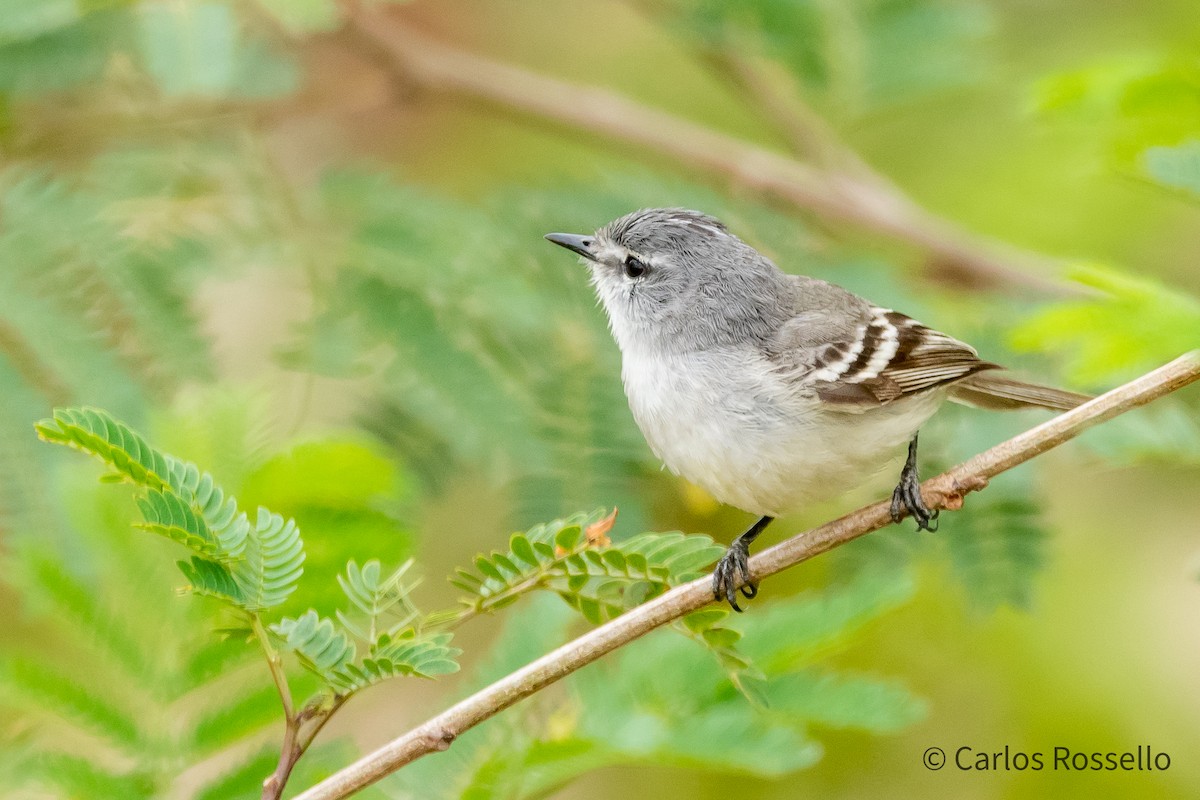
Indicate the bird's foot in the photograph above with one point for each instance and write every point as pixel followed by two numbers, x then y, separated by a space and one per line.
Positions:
pixel 732 574
pixel 907 497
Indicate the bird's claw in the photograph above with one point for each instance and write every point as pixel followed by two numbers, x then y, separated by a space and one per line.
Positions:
pixel 732 574
pixel 907 497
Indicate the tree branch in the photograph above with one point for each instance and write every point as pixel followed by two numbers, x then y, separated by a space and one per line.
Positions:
pixel 946 491
pixel 837 195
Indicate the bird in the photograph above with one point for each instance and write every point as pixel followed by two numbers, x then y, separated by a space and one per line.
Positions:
pixel 772 390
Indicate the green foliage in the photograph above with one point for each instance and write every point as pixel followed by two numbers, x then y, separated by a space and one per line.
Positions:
pixel 114 660
pixel 320 647
pixel 149 191
pixel 257 567
pixel 654 703
pixel 272 564
pixel 599 581
pixel 253 567
pixel 1132 325
pixel 349 496
pixel 382 602
pixel 1134 103
pixel 381 619
pixel 995 550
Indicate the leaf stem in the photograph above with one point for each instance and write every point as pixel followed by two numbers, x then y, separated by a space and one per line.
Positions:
pixel 275 664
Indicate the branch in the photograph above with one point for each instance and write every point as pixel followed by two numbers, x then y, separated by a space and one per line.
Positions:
pixel 837 195
pixel 946 491
pixel 275 664
pixel 289 751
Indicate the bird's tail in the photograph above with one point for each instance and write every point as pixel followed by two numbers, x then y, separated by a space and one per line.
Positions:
pixel 990 390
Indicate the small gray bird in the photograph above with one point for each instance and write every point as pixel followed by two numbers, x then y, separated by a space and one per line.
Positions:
pixel 771 390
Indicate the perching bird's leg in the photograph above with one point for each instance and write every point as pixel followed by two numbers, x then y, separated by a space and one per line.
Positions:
pixel 907 495
pixel 733 570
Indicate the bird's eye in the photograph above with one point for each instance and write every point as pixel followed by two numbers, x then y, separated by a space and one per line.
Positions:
pixel 635 267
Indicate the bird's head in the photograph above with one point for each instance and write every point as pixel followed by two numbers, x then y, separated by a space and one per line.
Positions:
pixel 679 280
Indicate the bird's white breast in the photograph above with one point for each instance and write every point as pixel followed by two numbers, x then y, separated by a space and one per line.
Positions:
pixel 725 420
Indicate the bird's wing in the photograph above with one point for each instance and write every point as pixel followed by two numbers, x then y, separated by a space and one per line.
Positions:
pixel 859 355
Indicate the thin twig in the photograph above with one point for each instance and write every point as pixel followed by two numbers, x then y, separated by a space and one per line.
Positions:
pixel 289 752
pixel 275 663
pixel 946 491
pixel 837 195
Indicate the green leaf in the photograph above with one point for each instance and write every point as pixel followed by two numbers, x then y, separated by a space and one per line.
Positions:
pixel 721 637
pixel 813 623
pixel 702 620
pixel 1134 325
pixel 383 602
pixel 425 655
pixel 529 564
pixel 1128 104
pixel 96 432
pixel 168 515
pixel 522 549
pixel 321 647
pixel 210 579
pixel 680 556
pixel 269 569
pixel 485 565
pixel 864 55
pixel 568 537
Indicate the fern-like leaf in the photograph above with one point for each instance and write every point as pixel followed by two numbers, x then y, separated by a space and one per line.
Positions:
pixel 531 560
pixel 132 458
pixel 272 562
pixel 383 602
pixel 98 433
pixel 168 515
pixel 324 648
pixel 424 655
pixel 211 579
pixel 683 556
pixel 219 512
pixel 253 567
pixel 598 581
pixel 320 646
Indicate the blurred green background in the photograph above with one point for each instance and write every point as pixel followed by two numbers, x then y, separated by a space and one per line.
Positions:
pixel 299 243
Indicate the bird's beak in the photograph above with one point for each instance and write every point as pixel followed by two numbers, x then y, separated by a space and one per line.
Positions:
pixel 578 244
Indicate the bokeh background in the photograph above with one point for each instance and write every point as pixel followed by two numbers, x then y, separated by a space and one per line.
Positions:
pixel 299 243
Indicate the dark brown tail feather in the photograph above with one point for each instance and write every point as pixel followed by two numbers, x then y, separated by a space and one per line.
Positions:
pixel 992 390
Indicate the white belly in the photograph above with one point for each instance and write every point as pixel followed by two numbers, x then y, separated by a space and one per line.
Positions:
pixel 728 424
